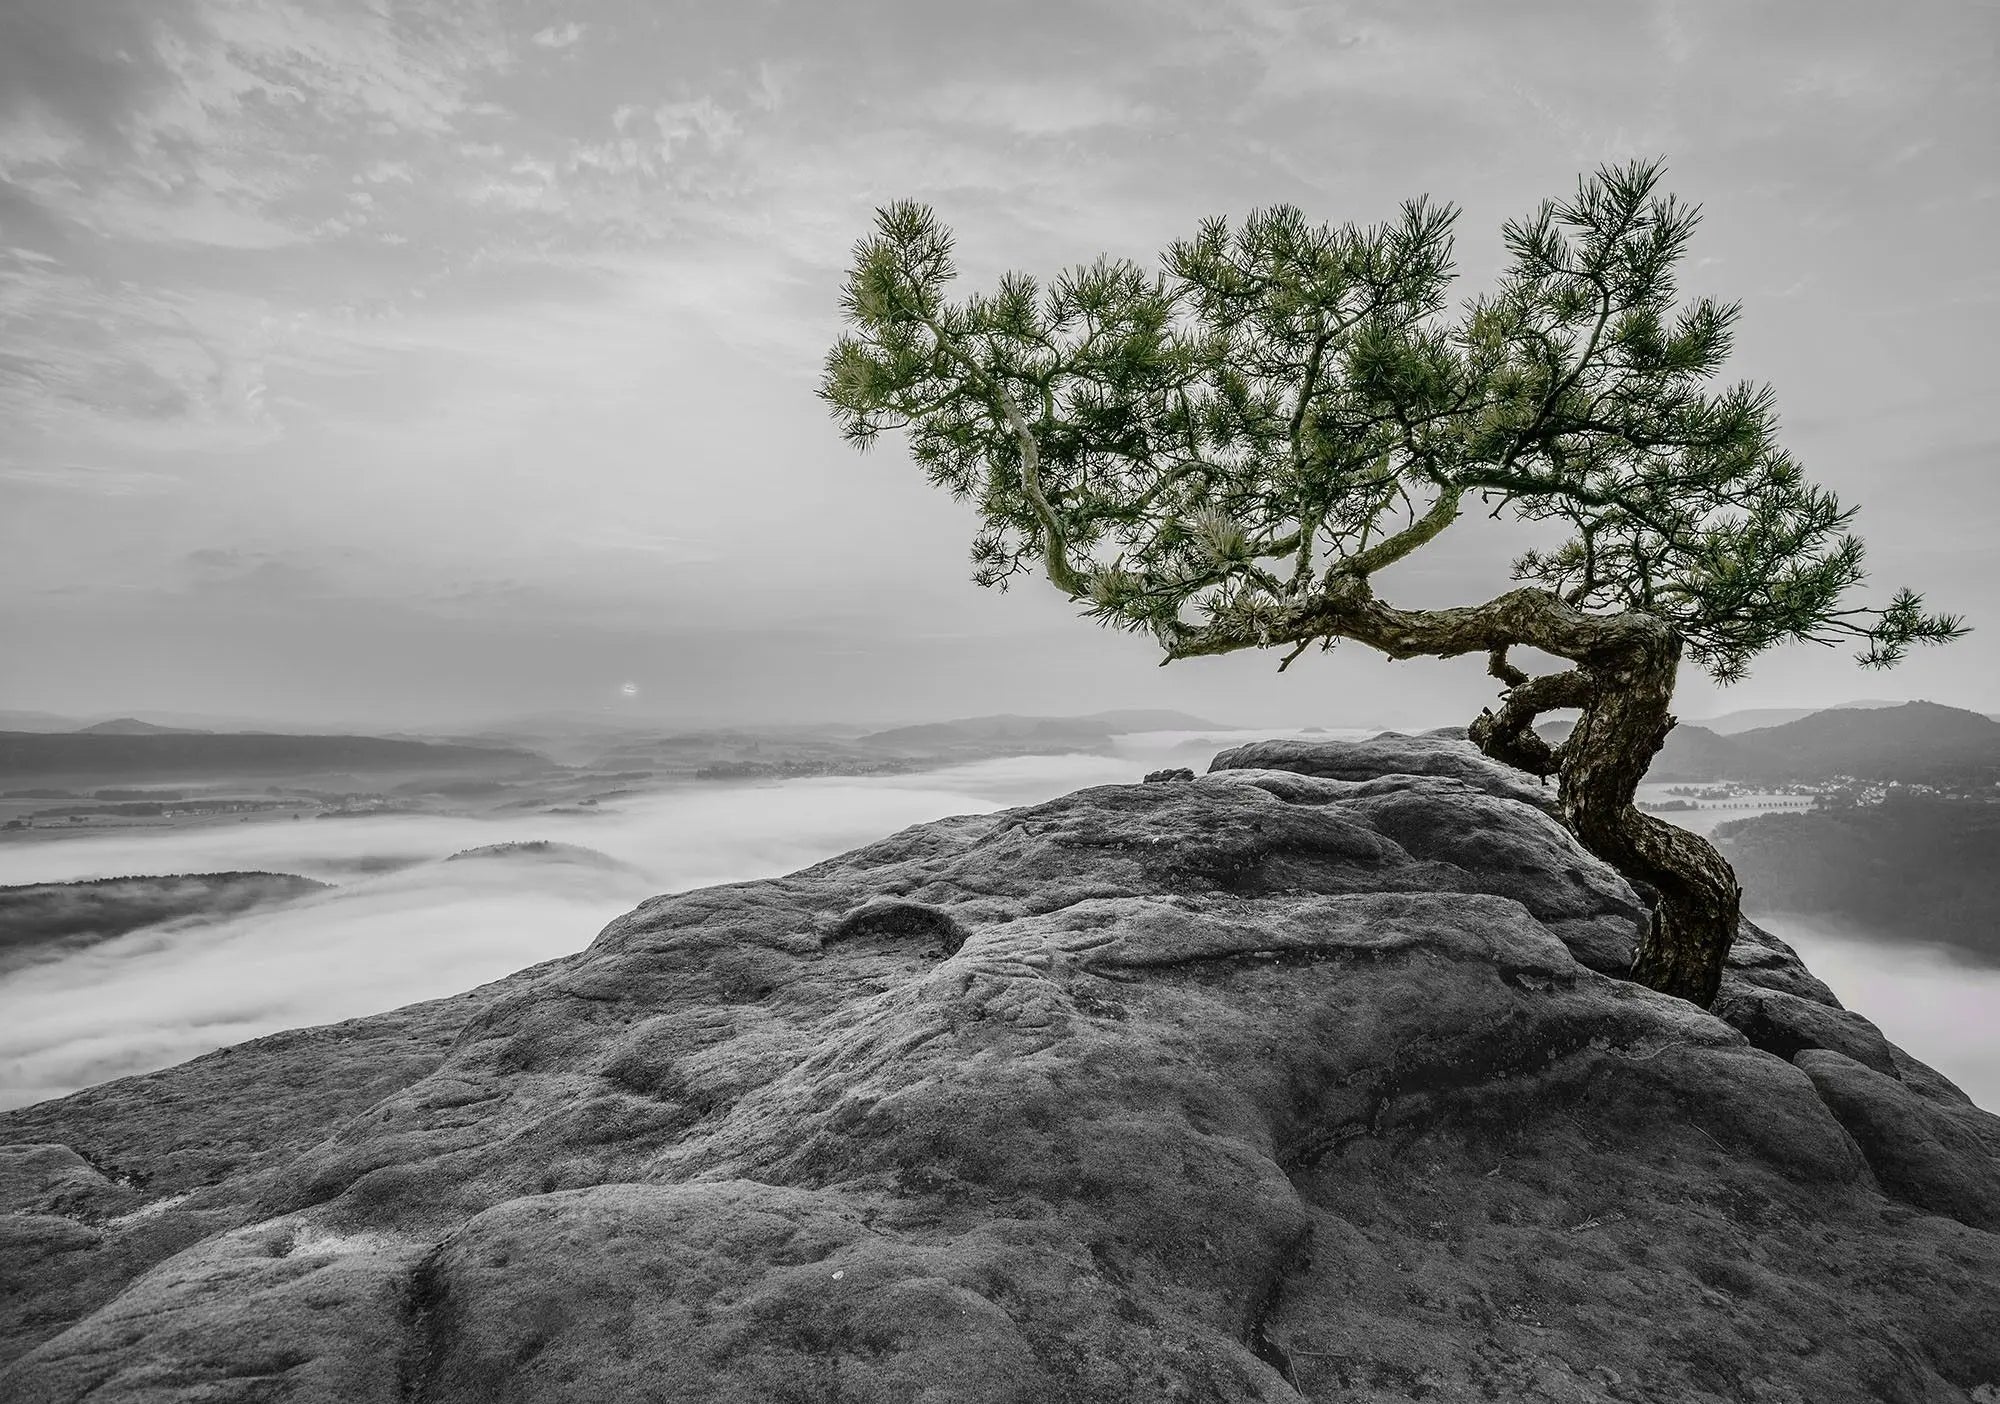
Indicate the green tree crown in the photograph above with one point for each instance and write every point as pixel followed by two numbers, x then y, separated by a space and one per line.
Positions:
pixel 1209 452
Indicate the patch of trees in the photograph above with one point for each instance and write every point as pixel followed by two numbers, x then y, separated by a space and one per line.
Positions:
pixel 42 919
pixel 1922 869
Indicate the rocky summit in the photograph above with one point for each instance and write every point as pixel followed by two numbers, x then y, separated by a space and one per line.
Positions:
pixel 1312 1077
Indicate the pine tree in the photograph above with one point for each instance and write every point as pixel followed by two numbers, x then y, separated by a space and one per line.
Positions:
pixel 1225 453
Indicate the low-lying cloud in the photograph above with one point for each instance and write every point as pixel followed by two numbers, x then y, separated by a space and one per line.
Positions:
pixel 1928 1002
pixel 402 924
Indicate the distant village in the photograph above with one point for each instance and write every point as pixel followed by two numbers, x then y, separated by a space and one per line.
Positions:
pixel 1837 792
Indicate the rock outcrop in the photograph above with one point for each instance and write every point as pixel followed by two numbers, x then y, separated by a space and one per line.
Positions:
pixel 1310 1078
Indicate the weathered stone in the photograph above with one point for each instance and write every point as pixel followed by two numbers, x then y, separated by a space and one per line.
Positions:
pixel 42 1177
pixel 1940 1158
pixel 1444 753
pixel 1265 1086
pixel 178 1147
pixel 1758 958
pixel 1785 1024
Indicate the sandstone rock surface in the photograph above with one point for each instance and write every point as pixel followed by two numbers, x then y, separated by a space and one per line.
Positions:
pixel 1309 1078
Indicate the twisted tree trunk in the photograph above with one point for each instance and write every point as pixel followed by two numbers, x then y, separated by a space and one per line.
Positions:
pixel 1624 691
pixel 1625 720
pixel 1623 680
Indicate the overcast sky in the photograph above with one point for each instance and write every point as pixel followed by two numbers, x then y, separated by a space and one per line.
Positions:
pixel 374 362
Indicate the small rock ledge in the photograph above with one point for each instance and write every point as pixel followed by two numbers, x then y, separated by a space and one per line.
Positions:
pixel 1312 1077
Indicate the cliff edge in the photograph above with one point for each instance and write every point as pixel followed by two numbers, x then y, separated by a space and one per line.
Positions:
pixel 1309 1078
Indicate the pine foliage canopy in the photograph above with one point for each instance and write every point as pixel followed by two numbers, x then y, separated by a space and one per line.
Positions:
pixel 1206 452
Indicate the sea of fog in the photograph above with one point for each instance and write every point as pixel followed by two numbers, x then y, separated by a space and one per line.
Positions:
pixel 1927 1001
pixel 401 924
pixel 420 927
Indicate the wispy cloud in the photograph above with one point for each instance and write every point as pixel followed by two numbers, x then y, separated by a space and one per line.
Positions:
pixel 217 135
pixel 95 363
pixel 457 279
pixel 1030 108
pixel 558 36
pixel 89 480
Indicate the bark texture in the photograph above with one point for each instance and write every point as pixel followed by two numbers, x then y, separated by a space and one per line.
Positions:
pixel 1623 725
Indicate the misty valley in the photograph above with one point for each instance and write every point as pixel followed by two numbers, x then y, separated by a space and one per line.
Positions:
pixel 165 891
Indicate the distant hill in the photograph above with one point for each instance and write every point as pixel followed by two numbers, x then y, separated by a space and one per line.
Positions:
pixel 1024 733
pixel 36 721
pixel 1156 719
pixel 1690 753
pixel 1695 753
pixel 132 726
pixel 1752 718
pixel 1915 742
pixel 150 755
pixel 1918 742
pixel 19 720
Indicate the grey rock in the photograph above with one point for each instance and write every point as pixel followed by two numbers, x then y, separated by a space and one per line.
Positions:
pixel 1271 1085
pixel 1939 1158
pixel 171 1152
pixel 1391 753
pixel 1786 1024
pixel 38 1177
pixel 1169 775
pixel 1926 1081
pixel 1605 943
pixel 1758 958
